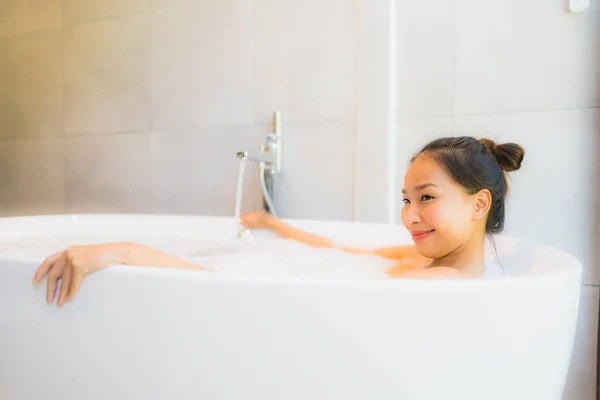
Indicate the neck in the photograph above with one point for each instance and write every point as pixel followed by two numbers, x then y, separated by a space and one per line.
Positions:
pixel 469 257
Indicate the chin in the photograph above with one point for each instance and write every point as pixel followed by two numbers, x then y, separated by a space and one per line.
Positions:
pixel 427 251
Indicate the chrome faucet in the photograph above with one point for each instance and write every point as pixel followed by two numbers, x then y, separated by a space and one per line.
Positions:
pixel 269 163
pixel 261 157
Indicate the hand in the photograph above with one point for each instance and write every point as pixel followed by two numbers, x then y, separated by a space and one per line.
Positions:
pixel 74 264
pixel 256 220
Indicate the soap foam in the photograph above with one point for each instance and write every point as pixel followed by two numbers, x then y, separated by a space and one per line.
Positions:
pixel 280 257
pixel 292 259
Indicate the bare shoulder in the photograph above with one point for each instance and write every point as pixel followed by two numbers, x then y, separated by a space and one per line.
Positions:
pixel 411 262
pixel 400 253
pixel 430 273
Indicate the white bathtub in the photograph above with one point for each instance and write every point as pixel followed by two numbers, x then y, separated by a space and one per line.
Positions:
pixel 146 333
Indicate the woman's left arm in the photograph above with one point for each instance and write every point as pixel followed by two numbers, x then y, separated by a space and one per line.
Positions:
pixel 72 265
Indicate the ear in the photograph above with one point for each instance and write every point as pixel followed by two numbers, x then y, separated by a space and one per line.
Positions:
pixel 482 204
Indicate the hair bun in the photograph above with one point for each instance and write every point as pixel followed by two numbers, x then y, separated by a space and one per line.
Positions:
pixel 508 155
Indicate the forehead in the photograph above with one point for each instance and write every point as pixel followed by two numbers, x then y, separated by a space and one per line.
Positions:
pixel 425 170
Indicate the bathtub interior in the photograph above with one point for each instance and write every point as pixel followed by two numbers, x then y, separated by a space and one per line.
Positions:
pixel 212 242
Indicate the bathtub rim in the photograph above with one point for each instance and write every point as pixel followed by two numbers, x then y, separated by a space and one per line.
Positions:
pixel 573 270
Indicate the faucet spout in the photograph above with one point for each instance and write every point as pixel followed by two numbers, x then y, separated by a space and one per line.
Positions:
pixel 269 163
pixel 267 158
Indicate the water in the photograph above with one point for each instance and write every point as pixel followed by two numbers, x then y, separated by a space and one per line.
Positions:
pixel 240 187
pixel 280 257
pixel 291 259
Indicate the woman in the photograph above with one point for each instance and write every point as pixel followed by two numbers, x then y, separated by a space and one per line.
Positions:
pixel 454 193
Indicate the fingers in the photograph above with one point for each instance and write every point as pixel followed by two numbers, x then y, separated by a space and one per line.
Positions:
pixel 46 265
pixel 254 219
pixel 246 220
pixel 58 267
pixel 54 275
pixel 64 285
pixel 76 278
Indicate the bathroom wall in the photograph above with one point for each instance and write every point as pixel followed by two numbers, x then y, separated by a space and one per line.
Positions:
pixel 140 106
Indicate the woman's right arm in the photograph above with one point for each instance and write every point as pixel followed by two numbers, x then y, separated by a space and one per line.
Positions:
pixel 262 220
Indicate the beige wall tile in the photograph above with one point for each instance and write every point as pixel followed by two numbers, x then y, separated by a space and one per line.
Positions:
pixel 587 58
pixel 514 56
pixel 373 111
pixel 32 176
pixel 31 78
pixel 196 172
pixel 108 174
pixel 425 58
pixel 306 59
pixel 82 11
pixel 106 76
pixel 40 179
pixel 8 178
pixel 202 64
pixel 167 3
pixel 317 177
pixel 18 17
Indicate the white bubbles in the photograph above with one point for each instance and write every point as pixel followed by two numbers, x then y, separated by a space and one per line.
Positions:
pixel 292 259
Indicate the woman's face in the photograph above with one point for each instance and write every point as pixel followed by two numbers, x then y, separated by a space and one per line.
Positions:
pixel 438 212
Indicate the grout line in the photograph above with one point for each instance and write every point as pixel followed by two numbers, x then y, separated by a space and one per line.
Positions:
pixel 313 121
pixel 493 113
pixel 531 111
pixel 107 18
pixel 173 130
pixel 32 33
pixel 68 136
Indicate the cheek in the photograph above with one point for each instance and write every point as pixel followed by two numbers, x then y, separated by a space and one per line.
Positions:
pixel 403 216
pixel 435 215
pixel 447 217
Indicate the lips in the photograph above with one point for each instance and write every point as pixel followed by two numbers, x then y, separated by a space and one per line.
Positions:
pixel 420 235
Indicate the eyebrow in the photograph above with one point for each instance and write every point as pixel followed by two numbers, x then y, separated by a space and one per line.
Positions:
pixel 421 187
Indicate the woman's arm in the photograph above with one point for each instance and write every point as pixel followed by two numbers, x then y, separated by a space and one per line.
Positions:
pixel 137 254
pixel 262 220
pixel 289 232
pixel 72 265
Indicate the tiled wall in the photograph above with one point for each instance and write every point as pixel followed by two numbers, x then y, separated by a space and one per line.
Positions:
pixel 523 71
pixel 141 105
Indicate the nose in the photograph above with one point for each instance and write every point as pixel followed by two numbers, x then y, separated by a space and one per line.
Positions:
pixel 410 215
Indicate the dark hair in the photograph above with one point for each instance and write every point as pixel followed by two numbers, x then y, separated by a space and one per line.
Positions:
pixel 476 165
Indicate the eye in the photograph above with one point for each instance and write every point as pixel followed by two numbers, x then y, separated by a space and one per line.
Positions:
pixel 426 197
pixel 405 201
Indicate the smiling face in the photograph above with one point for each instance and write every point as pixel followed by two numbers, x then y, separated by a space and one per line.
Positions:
pixel 440 215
